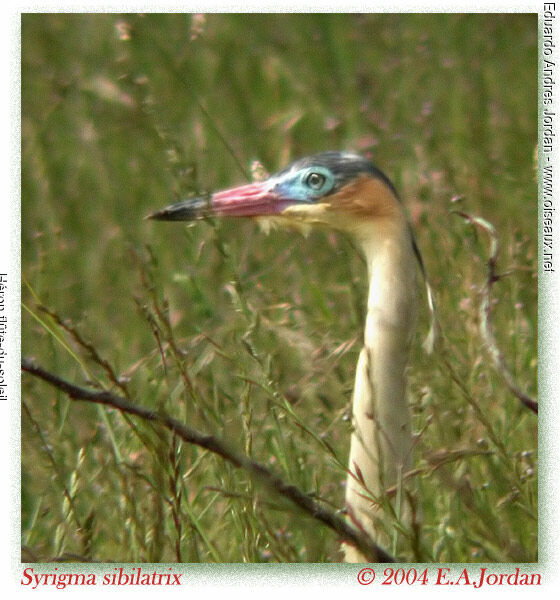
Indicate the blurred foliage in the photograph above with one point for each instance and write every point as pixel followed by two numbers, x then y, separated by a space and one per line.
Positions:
pixel 250 336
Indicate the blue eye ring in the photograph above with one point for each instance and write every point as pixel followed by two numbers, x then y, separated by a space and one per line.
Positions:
pixel 315 180
pixel 318 180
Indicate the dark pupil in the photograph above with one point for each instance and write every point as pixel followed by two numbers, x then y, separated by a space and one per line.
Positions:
pixel 315 180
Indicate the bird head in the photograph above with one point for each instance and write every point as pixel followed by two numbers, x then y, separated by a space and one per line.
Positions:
pixel 337 189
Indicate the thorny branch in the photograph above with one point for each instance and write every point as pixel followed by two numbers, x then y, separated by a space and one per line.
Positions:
pixel 261 473
pixel 486 314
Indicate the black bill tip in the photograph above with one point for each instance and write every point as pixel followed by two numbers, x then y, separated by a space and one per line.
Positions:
pixel 188 210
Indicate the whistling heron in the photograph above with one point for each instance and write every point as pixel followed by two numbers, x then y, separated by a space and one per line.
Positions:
pixel 346 192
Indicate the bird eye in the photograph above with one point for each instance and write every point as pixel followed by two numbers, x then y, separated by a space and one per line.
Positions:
pixel 315 180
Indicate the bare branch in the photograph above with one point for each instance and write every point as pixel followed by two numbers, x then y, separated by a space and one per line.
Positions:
pixel 486 328
pixel 261 473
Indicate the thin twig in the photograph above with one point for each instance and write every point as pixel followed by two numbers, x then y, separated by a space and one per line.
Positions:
pixel 485 312
pixel 350 535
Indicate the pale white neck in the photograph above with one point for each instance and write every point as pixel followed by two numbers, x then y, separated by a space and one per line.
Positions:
pixel 381 443
pixel 392 294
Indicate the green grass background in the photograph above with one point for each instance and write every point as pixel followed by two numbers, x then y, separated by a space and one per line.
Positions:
pixel 254 338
